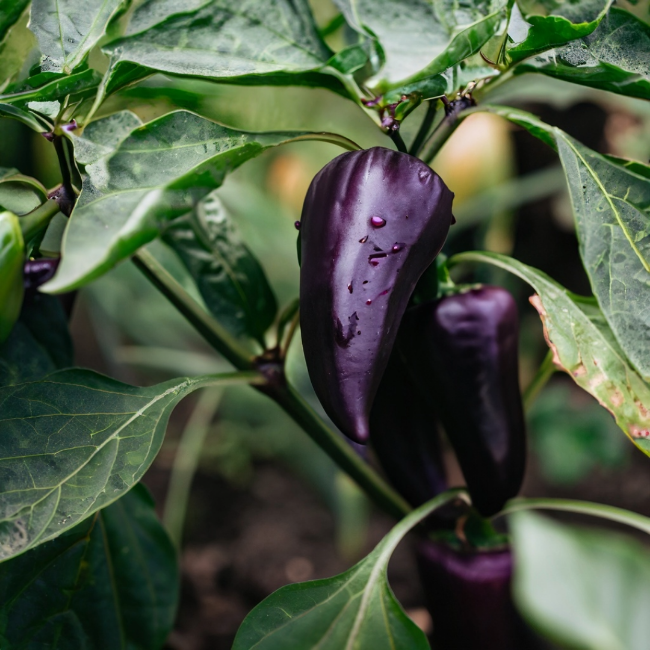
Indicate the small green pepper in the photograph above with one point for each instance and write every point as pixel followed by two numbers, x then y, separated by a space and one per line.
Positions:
pixel 12 258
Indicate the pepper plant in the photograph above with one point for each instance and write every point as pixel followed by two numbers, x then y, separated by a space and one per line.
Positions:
pixel 84 562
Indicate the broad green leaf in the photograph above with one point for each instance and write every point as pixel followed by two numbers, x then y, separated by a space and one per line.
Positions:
pixel 28 118
pixel 109 583
pixel 102 137
pixel 422 39
pixel 73 442
pixel 552 23
pixel 50 86
pixel 68 29
pixel 21 194
pixel 355 610
pixel 230 279
pixel 18 51
pixel 611 204
pixel 157 173
pixel 615 57
pixel 584 347
pixel 39 342
pixel 581 588
pixel 10 11
pixel 240 40
pixel 153 12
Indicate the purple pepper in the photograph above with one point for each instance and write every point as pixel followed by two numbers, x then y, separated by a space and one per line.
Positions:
pixel 404 436
pixel 372 222
pixel 468 594
pixel 465 348
pixel 38 272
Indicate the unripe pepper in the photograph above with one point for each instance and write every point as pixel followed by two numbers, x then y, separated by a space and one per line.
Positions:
pixel 372 222
pixel 404 436
pixel 12 256
pixel 464 348
pixel 468 594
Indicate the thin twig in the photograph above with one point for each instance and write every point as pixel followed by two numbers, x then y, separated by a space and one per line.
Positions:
pixel 425 127
pixel 186 461
pixel 543 374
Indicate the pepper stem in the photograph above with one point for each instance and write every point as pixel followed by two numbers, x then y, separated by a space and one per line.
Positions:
pixel 543 374
pixel 281 392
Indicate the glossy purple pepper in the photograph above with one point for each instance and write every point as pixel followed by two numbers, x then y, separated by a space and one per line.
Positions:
pixel 404 436
pixel 468 594
pixel 372 222
pixel 464 347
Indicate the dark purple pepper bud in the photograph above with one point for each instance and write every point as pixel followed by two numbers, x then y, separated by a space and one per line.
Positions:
pixel 38 272
pixel 65 198
pixel 464 347
pixel 469 597
pixel 404 436
pixel 338 242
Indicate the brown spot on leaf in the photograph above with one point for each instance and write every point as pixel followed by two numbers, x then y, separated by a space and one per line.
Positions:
pixel 536 302
pixel 638 432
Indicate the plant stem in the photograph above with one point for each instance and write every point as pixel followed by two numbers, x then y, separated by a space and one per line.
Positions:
pixel 543 374
pixel 455 113
pixel 66 162
pixel 340 452
pixel 397 141
pixel 186 461
pixel 423 131
pixel 33 222
pixel 285 395
pixel 213 332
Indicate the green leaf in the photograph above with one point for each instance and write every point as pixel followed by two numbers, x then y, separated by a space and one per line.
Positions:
pixel 354 610
pixel 102 137
pixel 157 173
pixel 581 588
pixel 10 12
pixel 584 347
pixel 28 118
pixel 109 583
pixel 244 41
pixel 74 442
pixel 559 23
pixel 50 86
pixel 230 279
pixel 21 194
pixel 39 342
pixel 67 30
pixel 611 204
pixel 18 51
pixel 422 39
pixel 615 57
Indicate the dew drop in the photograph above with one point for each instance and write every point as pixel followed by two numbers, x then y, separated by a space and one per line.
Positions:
pixel 397 247
pixel 296 225
pixel 359 332
pixel 363 240
pixel 368 302
pixel 350 287
pixel 377 222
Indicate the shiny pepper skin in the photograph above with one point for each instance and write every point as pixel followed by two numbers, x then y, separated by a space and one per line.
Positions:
pixel 12 256
pixel 372 222
pixel 468 594
pixel 464 348
pixel 404 436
